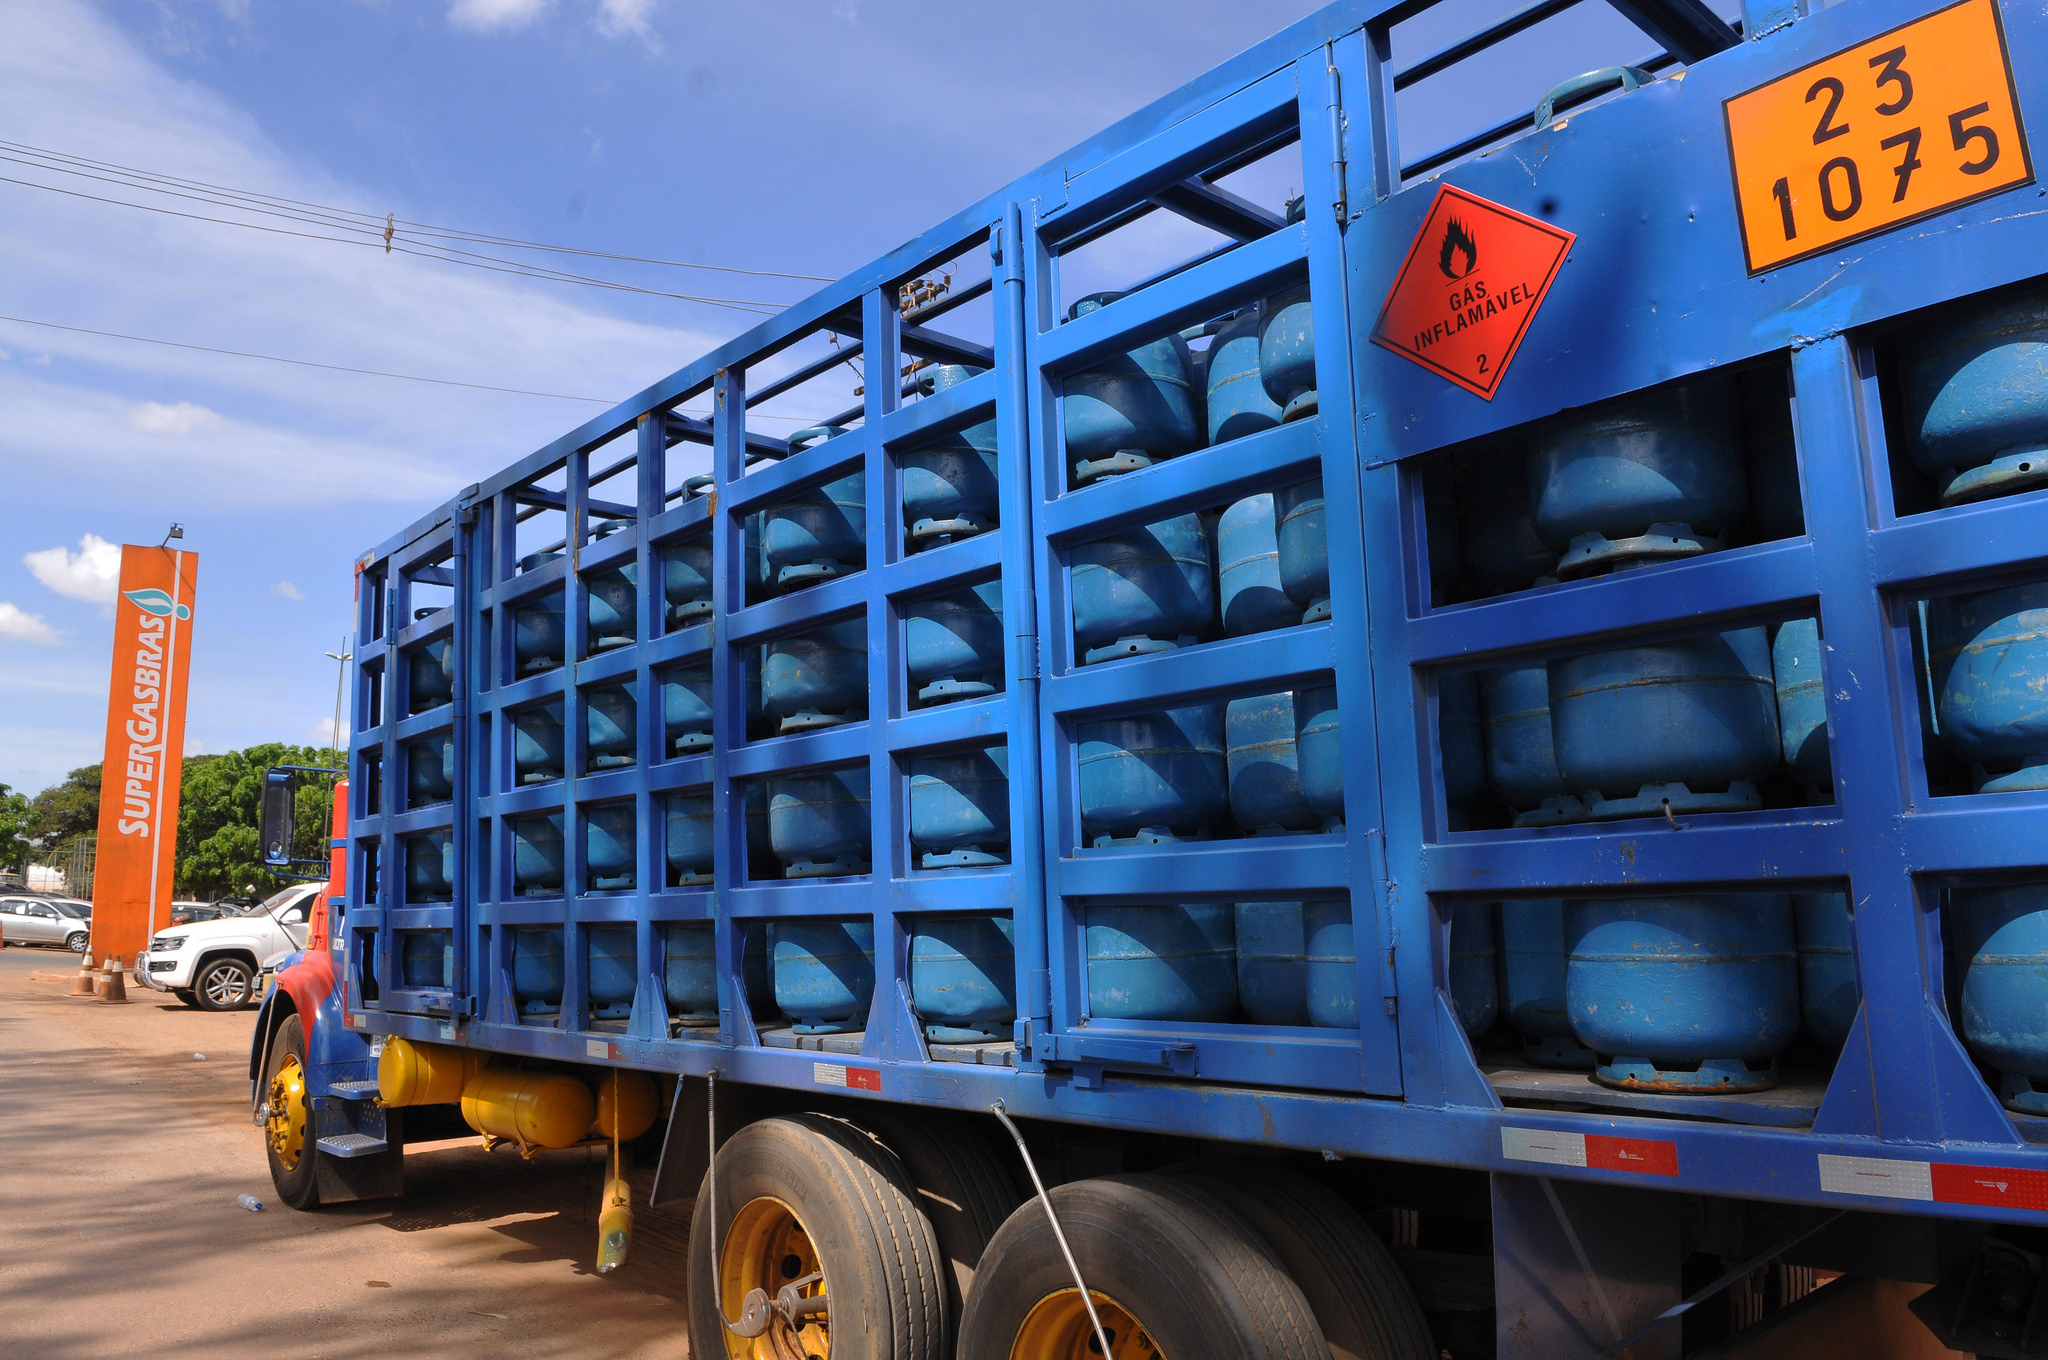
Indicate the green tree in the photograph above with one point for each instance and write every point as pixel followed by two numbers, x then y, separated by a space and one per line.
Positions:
pixel 218 812
pixel 64 810
pixel 15 846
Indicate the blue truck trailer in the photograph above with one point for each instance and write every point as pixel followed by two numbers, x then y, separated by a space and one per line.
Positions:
pixel 1465 765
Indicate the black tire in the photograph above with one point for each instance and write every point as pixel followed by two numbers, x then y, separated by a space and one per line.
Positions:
pixel 77 941
pixel 1361 1300
pixel 961 1186
pixel 186 995
pixel 294 1176
pixel 1174 1258
pixel 853 1203
pixel 224 985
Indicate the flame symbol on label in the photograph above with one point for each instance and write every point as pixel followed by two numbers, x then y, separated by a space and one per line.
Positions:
pixel 1457 242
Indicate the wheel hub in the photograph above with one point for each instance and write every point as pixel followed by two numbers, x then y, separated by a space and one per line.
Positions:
pixel 227 987
pixel 285 1125
pixel 768 1251
pixel 1057 1328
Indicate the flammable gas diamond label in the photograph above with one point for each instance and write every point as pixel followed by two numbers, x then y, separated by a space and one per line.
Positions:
pixel 1469 288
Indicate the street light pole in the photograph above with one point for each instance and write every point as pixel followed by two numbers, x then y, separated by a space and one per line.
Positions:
pixel 341 660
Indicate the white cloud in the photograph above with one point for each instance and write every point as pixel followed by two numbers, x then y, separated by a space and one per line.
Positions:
pixel 618 17
pixel 322 733
pixel 182 418
pixel 16 626
pixel 288 590
pixel 92 573
pixel 488 15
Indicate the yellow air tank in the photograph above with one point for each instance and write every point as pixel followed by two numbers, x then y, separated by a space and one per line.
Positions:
pixel 632 1096
pixel 536 1109
pixel 425 1074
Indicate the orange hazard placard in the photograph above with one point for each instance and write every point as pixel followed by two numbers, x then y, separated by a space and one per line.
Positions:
pixel 1915 121
pixel 1469 288
pixel 131 890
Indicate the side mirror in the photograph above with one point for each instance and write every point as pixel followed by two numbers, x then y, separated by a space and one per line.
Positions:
pixel 280 804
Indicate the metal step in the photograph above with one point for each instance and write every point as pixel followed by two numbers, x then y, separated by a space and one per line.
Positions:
pixel 352 1145
pixel 353 1090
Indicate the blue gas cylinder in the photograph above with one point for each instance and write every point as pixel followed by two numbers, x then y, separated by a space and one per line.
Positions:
pixel 1999 938
pixel 538 969
pixel 1520 756
pixel 819 678
pixel 686 582
pixel 611 604
pixel 1237 400
pixel 820 533
pixel 1496 532
pixel 1463 736
pixel 950 489
pixel 1265 766
pixel 1152 776
pixel 1304 548
pixel 818 822
pixel 427 959
pixel 1142 589
pixel 1165 962
pixel 537 743
pixel 1132 410
pixel 953 643
pixel 1248 569
pixel 430 771
pixel 1689 725
pixel 824 973
pixel 1532 980
pixel 960 808
pixel 1684 993
pixel 1802 702
pixel 433 673
pixel 686 710
pixel 1827 965
pixel 1472 966
pixel 610 843
pixel 689 972
pixel 610 716
pixel 963 978
pixel 762 865
pixel 430 867
pixel 1989 654
pixel 1319 747
pixel 538 632
pixel 1287 347
pixel 611 960
pixel 1272 963
pixel 537 855
pixel 1649 479
pixel 1332 956
pixel 1976 396
pixel 691 847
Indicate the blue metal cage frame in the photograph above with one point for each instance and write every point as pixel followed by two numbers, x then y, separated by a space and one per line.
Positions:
pixel 1655 289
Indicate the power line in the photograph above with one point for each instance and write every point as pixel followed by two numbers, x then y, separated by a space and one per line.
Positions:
pixel 422 228
pixel 495 266
pixel 365 372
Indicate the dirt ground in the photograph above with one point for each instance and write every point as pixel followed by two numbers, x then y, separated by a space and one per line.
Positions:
pixel 121 1155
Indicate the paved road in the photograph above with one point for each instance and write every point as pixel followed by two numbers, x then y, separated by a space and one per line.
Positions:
pixel 120 1159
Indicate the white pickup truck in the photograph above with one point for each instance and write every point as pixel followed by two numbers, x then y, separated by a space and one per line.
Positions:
pixel 214 964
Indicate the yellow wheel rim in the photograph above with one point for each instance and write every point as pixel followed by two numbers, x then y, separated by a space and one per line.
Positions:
pixel 1057 1328
pixel 767 1248
pixel 286 1125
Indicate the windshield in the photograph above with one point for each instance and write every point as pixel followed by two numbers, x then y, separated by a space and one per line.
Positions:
pixel 277 901
pixel 71 909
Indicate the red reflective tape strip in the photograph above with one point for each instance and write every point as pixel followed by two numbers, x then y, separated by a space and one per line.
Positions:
pixel 1647 1156
pixel 864 1078
pixel 2000 1187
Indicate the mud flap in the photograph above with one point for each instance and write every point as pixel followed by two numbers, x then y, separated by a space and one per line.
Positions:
pixel 367 1175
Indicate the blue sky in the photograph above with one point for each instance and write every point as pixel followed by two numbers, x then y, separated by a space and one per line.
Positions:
pixel 797 137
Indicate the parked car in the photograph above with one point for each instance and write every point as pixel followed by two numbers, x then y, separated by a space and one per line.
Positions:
pixel 214 964
pixel 60 921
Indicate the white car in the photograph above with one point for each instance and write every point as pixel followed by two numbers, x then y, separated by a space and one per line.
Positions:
pixel 214 964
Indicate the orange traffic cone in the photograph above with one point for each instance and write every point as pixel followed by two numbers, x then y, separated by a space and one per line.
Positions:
pixel 85 985
pixel 114 983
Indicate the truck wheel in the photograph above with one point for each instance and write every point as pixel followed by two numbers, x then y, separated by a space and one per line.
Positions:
pixel 224 985
pixel 961 1186
pixel 288 1125
pixel 1173 1272
pixel 1360 1298
pixel 805 1195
